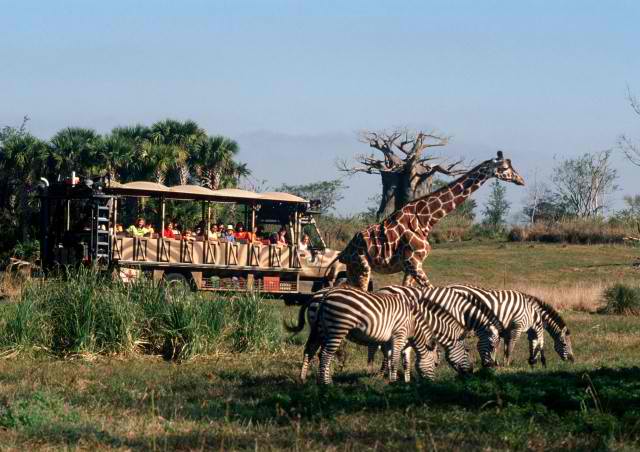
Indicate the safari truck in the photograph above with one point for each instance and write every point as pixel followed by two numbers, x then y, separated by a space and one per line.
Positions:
pixel 84 222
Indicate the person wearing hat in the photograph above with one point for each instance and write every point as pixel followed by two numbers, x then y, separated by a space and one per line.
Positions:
pixel 229 235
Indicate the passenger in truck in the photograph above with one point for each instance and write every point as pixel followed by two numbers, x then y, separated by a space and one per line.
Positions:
pixel 168 231
pixel 304 243
pixel 139 229
pixel 229 235
pixel 240 234
pixel 214 232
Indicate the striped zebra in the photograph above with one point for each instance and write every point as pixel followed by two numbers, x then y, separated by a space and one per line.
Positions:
pixel 470 313
pixel 447 332
pixel 519 313
pixel 557 329
pixel 365 318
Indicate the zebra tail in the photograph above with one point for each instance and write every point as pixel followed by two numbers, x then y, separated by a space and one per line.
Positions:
pixel 295 329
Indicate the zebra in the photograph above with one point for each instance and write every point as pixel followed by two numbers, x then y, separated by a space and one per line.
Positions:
pixel 447 331
pixel 557 329
pixel 520 312
pixel 365 318
pixel 470 313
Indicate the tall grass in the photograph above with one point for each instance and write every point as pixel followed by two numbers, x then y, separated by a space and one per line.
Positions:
pixel 575 231
pixel 88 313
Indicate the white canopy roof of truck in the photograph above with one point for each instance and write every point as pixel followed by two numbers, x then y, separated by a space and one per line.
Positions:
pixel 153 189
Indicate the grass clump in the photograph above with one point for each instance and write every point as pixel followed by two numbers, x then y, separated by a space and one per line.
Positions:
pixel 622 299
pixel 89 313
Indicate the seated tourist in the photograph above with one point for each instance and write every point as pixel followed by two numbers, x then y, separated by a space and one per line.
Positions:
pixel 229 235
pixel 168 231
pixel 304 243
pixel 214 232
pixel 240 234
pixel 282 236
pixel 119 229
pixel 187 234
pixel 259 234
pixel 139 229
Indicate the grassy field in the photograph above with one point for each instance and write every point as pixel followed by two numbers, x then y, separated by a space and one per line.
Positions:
pixel 254 401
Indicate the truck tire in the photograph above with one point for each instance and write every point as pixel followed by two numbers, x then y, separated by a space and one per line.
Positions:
pixel 175 279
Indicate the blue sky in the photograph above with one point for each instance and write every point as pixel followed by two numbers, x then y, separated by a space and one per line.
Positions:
pixel 294 82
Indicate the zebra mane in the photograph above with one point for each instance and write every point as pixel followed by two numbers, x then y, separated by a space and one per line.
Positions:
pixel 550 312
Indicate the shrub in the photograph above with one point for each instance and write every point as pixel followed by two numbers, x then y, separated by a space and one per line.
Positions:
pixel 87 312
pixel 622 299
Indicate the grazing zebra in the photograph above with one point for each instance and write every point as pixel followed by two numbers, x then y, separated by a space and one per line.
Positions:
pixel 471 314
pixel 447 331
pixel 516 313
pixel 520 312
pixel 365 318
pixel 557 329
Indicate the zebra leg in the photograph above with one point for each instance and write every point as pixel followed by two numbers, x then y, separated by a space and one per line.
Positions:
pixel 406 363
pixel 329 347
pixel 371 354
pixel 310 350
pixel 397 344
pixel 509 344
pixel 536 344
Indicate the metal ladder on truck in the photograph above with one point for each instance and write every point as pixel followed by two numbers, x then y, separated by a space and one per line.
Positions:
pixel 101 230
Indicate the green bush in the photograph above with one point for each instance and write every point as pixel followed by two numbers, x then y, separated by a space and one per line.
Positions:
pixel 87 312
pixel 622 299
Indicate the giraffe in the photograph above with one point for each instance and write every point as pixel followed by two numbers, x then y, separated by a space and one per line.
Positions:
pixel 400 242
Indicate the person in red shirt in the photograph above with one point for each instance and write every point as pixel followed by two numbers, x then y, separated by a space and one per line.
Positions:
pixel 168 231
pixel 240 233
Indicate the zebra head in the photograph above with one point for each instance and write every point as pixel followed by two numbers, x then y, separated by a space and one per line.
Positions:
pixel 427 361
pixel 562 345
pixel 457 355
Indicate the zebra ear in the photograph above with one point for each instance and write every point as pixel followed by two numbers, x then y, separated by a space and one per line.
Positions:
pixel 500 155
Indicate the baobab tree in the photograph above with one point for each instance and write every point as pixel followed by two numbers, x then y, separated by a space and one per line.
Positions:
pixel 405 169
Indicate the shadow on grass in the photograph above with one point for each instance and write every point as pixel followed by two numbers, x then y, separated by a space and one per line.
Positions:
pixel 613 391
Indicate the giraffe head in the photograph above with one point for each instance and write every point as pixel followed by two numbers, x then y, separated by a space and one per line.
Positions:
pixel 501 168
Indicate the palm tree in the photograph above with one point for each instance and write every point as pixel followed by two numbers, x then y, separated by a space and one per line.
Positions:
pixel 213 162
pixel 138 138
pixel 117 155
pixel 75 149
pixel 182 136
pixel 22 158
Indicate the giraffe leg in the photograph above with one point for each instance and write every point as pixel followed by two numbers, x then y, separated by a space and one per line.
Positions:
pixel 413 269
pixel 358 272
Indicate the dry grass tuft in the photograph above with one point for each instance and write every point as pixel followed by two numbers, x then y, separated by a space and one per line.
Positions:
pixel 578 297
pixel 11 285
pixel 576 231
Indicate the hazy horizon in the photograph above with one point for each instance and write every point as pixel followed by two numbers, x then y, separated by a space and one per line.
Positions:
pixel 293 83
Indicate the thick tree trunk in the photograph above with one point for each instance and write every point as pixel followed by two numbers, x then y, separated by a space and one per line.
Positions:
pixel 400 188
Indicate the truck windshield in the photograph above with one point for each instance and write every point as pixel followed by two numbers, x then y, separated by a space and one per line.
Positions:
pixel 314 235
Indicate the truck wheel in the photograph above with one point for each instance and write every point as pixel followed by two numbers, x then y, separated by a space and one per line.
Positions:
pixel 295 299
pixel 175 279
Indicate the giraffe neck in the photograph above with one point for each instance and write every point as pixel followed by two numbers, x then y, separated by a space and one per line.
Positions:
pixel 435 206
